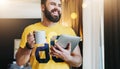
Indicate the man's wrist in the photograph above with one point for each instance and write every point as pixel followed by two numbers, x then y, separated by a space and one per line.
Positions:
pixel 28 46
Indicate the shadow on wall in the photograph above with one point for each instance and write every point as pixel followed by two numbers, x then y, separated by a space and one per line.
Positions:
pixel 11 29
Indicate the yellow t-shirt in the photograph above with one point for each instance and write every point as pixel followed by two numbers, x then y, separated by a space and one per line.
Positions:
pixel 40 57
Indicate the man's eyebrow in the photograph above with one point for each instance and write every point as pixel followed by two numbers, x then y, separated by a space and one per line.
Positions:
pixel 60 5
pixel 55 3
pixel 52 3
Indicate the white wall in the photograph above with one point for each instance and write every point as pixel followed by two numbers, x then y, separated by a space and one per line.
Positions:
pixel 93 46
pixel 20 9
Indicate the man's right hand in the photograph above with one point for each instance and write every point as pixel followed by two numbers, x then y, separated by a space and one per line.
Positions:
pixel 31 39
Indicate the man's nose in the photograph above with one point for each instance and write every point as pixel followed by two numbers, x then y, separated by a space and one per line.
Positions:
pixel 57 6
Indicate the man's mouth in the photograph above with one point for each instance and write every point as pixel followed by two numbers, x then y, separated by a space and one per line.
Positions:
pixel 55 13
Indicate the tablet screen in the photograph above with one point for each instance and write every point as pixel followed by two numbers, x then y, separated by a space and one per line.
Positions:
pixel 63 40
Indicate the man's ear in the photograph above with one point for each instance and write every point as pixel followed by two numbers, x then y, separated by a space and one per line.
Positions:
pixel 42 7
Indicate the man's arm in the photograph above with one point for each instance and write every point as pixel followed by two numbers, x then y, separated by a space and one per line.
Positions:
pixel 73 59
pixel 23 56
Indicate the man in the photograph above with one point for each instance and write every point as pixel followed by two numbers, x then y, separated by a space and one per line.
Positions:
pixel 53 57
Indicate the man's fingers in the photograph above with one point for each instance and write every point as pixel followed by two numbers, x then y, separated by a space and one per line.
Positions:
pixel 55 54
pixel 55 50
pixel 31 39
pixel 59 47
pixel 69 46
pixel 30 34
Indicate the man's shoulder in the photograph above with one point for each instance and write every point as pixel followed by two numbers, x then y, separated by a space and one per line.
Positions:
pixel 32 26
pixel 67 29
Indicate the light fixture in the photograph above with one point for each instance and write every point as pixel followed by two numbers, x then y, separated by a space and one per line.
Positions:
pixel 84 5
pixel 73 15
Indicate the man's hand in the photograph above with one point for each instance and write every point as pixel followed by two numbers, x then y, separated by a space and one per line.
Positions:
pixel 60 52
pixel 31 39
pixel 72 58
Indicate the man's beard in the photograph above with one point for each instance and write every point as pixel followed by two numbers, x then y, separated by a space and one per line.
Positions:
pixel 51 17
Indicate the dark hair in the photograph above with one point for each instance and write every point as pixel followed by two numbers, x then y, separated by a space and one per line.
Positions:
pixel 43 1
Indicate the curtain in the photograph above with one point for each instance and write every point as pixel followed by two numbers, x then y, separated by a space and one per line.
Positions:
pixel 112 34
pixel 72 16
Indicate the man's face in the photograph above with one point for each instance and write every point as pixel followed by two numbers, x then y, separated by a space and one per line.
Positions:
pixel 53 10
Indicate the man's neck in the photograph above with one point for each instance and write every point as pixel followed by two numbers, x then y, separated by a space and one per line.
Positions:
pixel 48 23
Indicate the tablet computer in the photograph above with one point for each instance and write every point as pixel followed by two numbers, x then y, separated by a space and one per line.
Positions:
pixel 63 40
